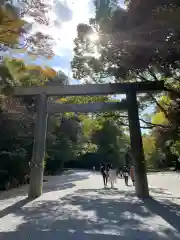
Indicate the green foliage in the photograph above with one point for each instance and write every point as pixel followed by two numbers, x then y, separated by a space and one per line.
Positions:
pixel 65 145
pixel 17 116
pixel 167 134
pixel 15 144
pixel 109 140
pixel 175 148
pixel 78 138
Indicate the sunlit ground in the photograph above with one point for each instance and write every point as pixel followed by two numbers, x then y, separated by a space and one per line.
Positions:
pixel 76 206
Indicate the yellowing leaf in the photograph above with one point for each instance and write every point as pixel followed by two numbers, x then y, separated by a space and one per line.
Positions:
pixel 62 100
pixel 10 26
pixel 49 72
pixel 159 118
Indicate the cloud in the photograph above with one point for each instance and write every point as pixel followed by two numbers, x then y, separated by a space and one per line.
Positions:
pixel 81 12
pixel 62 11
pixel 64 16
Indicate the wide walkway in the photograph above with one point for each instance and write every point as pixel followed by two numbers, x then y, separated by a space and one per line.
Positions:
pixel 75 206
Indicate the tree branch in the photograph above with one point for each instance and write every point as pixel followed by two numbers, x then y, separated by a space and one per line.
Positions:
pixel 142 127
pixel 152 74
pixel 152 125
pixel 150 95
pixel 170 89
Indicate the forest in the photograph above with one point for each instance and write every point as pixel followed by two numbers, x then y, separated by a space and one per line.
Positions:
pixel 133 44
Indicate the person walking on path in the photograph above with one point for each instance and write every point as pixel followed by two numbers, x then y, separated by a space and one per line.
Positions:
pixel 103 173
pixel 112 176
pixel 121 172
pixel 108 166
pixel 126 175
pixel 132 175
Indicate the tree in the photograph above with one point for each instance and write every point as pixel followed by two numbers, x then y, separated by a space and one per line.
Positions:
pixel 16 33
pixel 16 141
pixel 108 138
pixel 18 116
pixel 15 72
pixel 113 56
pixel 37 43
pixel 118 56
pixel 137 44
pixel 167 136
pixel 11 26
pixel 153 155
pixel 66 143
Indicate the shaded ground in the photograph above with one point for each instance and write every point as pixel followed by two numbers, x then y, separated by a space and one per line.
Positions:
pixel 77 207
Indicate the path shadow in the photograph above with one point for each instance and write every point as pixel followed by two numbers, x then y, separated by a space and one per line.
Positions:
pixel 13 208
pixel 66 181
pixel 161 191
pixel 55 184
pixel 52 183
pixel 166 209
pixel 90 214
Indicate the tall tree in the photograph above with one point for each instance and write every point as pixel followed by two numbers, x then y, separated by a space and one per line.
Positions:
pixel 128 51
pixel 110 142
pixel 65 146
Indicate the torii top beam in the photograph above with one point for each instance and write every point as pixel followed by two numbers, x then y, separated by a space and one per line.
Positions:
pixel 89 89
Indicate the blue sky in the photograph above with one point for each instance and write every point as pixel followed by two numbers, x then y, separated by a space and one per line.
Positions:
pixel 65 15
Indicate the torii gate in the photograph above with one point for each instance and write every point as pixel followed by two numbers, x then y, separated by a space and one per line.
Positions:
pixel 130 104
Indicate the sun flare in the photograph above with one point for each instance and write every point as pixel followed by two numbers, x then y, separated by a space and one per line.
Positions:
pixel 94 37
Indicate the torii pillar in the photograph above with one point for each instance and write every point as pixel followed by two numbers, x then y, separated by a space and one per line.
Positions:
pixel 37 162
pixel 141 183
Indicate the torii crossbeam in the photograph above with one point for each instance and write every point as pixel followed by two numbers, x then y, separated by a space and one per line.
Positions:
pixel 89 89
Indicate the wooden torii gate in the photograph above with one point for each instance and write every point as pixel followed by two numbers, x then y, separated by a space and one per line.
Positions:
pixel 130 104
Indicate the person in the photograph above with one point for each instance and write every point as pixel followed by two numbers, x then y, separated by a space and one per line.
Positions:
pixel 94 168
pixel 121 172
pixel 132 175
pixel 107 173
pixel 126 175
pixel 103 173
pixel 112 176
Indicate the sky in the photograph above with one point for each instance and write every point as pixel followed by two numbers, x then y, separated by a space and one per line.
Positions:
pixel 65 15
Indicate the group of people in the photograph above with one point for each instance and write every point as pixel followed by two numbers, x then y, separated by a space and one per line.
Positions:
pixel 108 173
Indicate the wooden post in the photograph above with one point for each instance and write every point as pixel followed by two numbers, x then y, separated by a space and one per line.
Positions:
pixel 141 183
pixel 37 168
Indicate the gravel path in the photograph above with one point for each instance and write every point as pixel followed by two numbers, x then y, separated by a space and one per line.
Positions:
pixel 75 206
